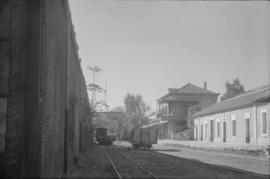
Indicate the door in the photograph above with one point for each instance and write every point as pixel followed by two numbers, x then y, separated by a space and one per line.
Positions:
pixel 156 139
pixel 201 132
pixel 212 131
pixel 224 131
pixel 247 131
pixel 196 133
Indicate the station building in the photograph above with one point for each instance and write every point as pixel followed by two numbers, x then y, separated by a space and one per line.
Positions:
pixel 243 119
pixel 174 108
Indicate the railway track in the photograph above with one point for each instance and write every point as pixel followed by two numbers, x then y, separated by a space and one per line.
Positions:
pixel 125 167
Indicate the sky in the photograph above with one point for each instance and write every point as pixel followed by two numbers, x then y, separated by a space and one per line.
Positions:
pixel 146 47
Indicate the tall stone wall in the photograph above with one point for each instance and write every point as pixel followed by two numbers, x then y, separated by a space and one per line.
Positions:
pixel 86 123
pixel 13 35
pixel 54 56
pixel 64 86
pixel 47 108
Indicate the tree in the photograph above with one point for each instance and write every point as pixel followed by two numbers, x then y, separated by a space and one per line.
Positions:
pixel 135 109
pixel 93 87
pixel 233 89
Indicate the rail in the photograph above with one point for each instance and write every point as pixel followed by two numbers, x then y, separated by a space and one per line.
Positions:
pixel 131 161
pixel 113 165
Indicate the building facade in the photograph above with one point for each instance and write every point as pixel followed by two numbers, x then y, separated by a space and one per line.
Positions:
pixel 174 107
pixel 240 120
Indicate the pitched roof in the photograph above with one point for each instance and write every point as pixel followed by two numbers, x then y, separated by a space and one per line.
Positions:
pixel 238 102
pixel 187 89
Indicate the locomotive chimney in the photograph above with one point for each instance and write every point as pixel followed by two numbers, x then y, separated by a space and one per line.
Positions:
pixel 205 85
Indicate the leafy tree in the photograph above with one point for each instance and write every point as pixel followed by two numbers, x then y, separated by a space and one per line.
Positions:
pixel 94 69
pixel 114 121
pixel 135 109
pixel 99 105
pixel 233 89
pixel 93 87
pixel 108 120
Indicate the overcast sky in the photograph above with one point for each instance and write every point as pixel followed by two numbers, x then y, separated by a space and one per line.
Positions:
pixel 146 47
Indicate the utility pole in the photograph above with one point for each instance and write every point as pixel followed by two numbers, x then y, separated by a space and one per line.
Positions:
pixel 94 70
pixel 106 107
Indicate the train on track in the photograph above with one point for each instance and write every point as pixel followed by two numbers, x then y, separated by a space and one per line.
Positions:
pixel 144 137
pixel 103 138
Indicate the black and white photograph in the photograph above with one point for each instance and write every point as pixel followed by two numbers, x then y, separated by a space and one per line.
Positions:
pixel 135 89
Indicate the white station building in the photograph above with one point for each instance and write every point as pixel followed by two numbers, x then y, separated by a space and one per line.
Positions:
pixel 240 120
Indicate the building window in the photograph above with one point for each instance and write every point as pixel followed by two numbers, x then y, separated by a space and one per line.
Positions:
pixel 218 129
pixel 264 122
pixel 233 117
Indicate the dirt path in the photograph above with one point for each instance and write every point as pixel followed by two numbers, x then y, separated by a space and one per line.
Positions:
pixel 256 164
pixel 167 166
pixel 94 164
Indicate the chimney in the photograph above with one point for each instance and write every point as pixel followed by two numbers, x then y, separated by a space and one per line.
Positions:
pixel 205 85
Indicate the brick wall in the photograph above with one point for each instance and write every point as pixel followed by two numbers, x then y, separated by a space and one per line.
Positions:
pixel 48 112
pixel 4 74
pixel 86 123
pixel 12 42
pixel 64 89
pixel 53 86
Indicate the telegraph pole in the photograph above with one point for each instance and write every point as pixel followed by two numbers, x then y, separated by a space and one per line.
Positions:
pixel 94 70
pixel 106 107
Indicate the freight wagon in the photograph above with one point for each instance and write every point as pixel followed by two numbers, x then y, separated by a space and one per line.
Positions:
pixel 144 137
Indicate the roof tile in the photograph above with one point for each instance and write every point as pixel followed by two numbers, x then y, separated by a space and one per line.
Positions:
pixel 237 102
pixel 187 89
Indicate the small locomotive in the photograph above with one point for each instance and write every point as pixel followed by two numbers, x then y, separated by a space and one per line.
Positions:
pixel 102 136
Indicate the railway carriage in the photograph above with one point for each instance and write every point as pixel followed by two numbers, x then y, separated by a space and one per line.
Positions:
pixel 144 137
pixel 102 136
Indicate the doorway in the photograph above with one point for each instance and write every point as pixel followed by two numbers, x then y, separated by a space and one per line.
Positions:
pixel 224 131
pixel 201 132
pixel 247 130
pixel 212 132
pixel 196 132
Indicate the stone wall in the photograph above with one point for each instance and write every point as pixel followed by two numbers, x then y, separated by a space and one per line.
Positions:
pixel 49 119
pixel 54 35
pixel 13 35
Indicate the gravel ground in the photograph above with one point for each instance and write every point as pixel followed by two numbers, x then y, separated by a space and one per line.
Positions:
pixel 167 166
pixel 125 167
pixel 236 159
pixel 250 149
pixel 94 164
